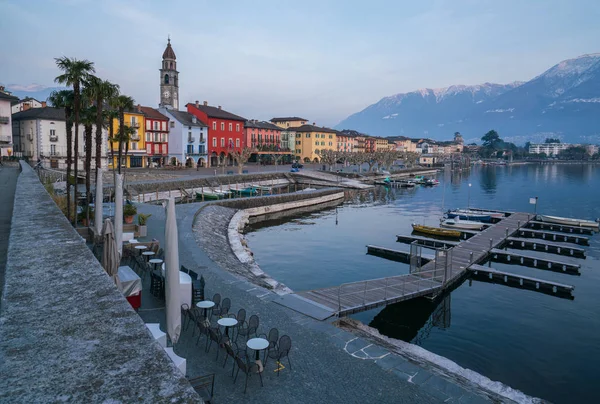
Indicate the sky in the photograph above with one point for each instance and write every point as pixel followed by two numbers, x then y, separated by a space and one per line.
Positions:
pixel 322 60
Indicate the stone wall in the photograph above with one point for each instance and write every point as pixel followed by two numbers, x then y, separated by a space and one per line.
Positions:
pixel 67 333
pixel 261 201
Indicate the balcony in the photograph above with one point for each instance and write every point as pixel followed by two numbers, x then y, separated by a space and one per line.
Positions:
pixel 191 139
pixel 134 125
pixel 5 139
pixel 4 119
pixel 54 138
pixel 135 137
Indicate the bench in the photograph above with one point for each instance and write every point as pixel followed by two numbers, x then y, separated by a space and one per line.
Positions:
pixel 157 334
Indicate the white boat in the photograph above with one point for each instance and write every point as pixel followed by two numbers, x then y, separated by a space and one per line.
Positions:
pixel 456 223
pixel 470 212
pixel 569 221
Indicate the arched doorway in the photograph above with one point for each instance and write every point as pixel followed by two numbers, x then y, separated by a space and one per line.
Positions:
pixel 174 161
pixel 214 159
pixel 229 160
pixel 189 162
pixel 316 160
pixel 306 160
pixel 222 158
pixel 201 162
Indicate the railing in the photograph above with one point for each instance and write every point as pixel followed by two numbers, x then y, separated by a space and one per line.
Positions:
pixel 134 137
pixel 134 124
pixel 425 281
pixel 54 138
pixel 191 139
pixel 4 119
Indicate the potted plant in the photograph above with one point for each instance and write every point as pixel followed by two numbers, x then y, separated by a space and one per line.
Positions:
pixel 129 211
pixel 83 216
pixel 142 230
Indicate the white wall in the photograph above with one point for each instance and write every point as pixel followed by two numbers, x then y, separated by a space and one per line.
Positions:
pixel 5 128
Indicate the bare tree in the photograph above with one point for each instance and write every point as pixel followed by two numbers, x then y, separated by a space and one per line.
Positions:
pixel 371 158
pixel 241 157
pixel 329 157
pixel 276 159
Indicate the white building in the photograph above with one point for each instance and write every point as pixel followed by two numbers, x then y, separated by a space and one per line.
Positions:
pixel 6 138
pixel 27 103
pixel 550 149
pixel 187 137
pixel 40 133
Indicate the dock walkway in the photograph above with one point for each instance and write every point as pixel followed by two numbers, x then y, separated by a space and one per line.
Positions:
pixel 359 296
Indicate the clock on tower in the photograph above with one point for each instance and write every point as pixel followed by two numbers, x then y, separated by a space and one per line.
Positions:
pixel 169 79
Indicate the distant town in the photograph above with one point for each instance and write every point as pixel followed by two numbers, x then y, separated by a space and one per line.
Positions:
pixel 204 135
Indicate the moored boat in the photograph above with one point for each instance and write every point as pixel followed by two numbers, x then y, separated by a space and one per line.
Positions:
pixel 436 231
pixel 475 216
pixel 469 212
pixel 211 195
pixel 431 181
pixel 568 221
pixel 249 191
pixel 461 224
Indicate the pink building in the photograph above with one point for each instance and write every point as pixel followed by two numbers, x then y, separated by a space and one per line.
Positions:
pixel 262 135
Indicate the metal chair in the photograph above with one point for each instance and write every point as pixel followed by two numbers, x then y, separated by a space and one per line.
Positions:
pixel 231 349
pixel 203 327
pixel 283 350
pixel 240 317
pixel 217 301
pixel 214 335
pixel 223 309
pixel 248 367
pixel 204 386
pixel 160 254
pixel 248 328
pixel 272 338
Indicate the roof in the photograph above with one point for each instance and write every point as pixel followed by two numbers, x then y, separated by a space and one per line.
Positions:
pixel 261 125
pixel 29 99
pixel 313 128
pixel 153 113
pixel 186 118
pixel 288 118
pixel 214 112
pixel 169 53
pixel 4 96
pixel 49 113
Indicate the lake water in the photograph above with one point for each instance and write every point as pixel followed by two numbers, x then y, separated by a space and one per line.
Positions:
pixel 542 345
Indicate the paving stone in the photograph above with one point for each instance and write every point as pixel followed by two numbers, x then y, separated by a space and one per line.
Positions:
pixel 445 386
pixel 375 351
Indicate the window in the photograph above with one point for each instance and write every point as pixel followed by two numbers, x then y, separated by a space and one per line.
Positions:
pixel 330 136
pixel 52 132
pixel 330 144
pixel 164 126
pixel 52 149
pixel 148 137
pixel 201 149
pixel 260 137
pixel 172 124
pixel 237 127
pixel 157 137
pixel 223 141
pixel 298 151
pixel 214 142
pixel 222 125
pixel 322 143
pixel 230 126
pixel 230 144
pixel 155 125
pixel 237 142
pixel 317 143
pixel 190 149
pixel 166 78
pixel 308 135
pixel 133 146
pixel 214 125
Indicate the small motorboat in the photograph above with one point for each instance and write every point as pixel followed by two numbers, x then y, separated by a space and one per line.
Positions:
pixel 436 231
pixel 457 223
pixel 263 190
pixel 407 184
pixel 248 191
pixel 431 181
pixel 475 216
pixel 469 212
pixel 569 221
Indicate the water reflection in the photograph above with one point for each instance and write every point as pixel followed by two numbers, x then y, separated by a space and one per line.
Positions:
pixel 488 180
pixel 413 320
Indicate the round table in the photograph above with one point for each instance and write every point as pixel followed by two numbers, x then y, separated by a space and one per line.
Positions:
pixel 204 305
pixel 258 344
pixel 141 247
pixel 148 254
pixel 155 261
pixel 227 322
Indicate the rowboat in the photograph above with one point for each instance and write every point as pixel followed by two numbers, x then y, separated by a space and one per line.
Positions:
pixel 211 195
pixel 469 212
pixel 436 231
pixel 568 221
pixel 249 191
pixel 475 216
pixel 461 224
pixel 263 190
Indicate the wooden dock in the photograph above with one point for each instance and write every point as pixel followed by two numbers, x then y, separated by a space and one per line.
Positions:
pixel 559 227
pixel 544 246
pixel 554 236
pixel 426 242
pixel 491 275
pixel 394 255
pixel 508 257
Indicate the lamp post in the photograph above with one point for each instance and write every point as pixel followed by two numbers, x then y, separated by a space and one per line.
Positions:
pixel 469 197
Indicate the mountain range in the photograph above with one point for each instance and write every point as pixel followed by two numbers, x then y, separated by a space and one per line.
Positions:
pixel 37 91
pixel 562 102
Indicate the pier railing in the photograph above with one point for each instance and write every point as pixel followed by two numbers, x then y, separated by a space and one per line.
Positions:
pixel 375 291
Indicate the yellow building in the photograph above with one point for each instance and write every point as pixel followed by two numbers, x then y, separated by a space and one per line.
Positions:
pixel 311 140
pixel 136 153
pixel 289 122
pixel 406 145
pixel 381 144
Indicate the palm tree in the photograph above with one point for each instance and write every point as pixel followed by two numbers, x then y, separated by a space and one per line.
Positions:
pixel 101 91
pixel 128 133
pixel 111 115
pixel 64 99
pixel 75 73
pixel 88 118
pixel 122 103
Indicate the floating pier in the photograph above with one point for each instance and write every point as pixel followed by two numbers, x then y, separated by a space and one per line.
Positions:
pixel 491 275
pixel 508 257
pixel 395 255
pixel 554 236
pixel 558 227
pixel 552 248
pixel 426 241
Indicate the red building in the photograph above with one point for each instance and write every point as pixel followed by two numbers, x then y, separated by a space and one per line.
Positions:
pixel 157 136
pixel 262 135
pixel 225 131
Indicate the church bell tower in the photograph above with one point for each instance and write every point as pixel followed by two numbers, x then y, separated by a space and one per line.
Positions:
pixel 169 80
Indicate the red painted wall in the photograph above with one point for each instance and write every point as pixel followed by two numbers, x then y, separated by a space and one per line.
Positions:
pixel 236 134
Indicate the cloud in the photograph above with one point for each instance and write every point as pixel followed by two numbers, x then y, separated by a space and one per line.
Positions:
pixel 27 87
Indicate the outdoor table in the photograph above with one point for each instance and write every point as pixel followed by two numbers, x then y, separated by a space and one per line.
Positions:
pixel 141 247
pixel 205 304
pixel 258 344
pixel 155 261
pixel 131 286
pixel 148 254
pixel 227 322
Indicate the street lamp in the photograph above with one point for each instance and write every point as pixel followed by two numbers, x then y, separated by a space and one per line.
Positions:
pixel 469 197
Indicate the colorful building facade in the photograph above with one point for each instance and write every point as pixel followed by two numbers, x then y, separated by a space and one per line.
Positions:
pixel 311 140
pixel 136 145
pixel 156 137
pixel 289 122
pixel 263 136
pixel 225 131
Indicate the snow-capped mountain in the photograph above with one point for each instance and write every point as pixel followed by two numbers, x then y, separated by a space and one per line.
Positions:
pixel 564 100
